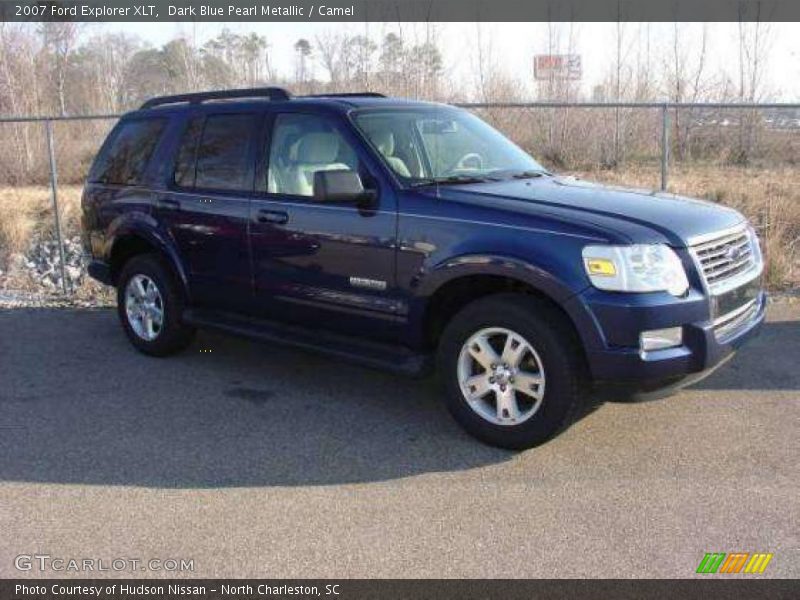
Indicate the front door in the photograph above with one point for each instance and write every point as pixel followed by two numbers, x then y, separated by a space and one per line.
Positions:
pixel 328 265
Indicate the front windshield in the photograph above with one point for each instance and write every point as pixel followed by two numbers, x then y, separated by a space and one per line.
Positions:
pixel 439 144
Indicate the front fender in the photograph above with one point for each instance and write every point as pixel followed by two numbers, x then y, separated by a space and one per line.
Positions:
pixel 498 265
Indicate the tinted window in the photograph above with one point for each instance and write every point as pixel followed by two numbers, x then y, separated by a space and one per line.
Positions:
pixel 301 146
pixel 125 159
pixel 185 161
pixel 223 157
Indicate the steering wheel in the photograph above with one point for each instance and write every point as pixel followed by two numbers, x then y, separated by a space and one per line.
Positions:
pixel 462 163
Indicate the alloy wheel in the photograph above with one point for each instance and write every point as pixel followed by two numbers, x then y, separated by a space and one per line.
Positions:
pixel 501 376
pixel 144 307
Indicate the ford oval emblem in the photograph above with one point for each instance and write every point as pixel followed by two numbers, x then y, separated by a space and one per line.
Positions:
pixel 733 253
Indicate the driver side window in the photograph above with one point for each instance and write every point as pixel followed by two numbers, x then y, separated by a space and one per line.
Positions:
pixel 300 146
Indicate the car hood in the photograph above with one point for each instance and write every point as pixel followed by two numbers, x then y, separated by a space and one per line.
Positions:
pixel 641 216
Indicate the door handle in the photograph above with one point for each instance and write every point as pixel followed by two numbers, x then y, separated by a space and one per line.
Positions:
pixel 168 204
pixel 277 217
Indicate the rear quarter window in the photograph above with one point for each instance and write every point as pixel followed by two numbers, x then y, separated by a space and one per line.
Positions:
pixel 187 154
pixel 124 159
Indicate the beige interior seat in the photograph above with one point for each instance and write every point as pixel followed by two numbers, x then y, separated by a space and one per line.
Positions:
pixel 384 142
pixel 315 152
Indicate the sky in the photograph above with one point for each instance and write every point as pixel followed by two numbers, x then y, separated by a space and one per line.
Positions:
pixel 511 46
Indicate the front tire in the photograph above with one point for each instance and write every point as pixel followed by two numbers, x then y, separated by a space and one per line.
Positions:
pixel 149 305
pixel 513 370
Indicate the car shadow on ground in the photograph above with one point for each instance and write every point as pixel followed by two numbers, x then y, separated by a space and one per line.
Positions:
pixel 79 405
pixel 768 362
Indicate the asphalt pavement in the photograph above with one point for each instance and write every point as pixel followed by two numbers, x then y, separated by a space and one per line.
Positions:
pixel 253 460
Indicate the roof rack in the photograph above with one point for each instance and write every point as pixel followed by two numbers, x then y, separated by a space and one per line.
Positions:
pixel 348 95
pixel 273 93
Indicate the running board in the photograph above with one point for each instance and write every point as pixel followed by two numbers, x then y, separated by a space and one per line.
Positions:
pixel 377 355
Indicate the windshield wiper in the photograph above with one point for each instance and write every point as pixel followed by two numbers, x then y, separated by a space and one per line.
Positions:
pixel 454 180
pixel 519 174
pixel 527 174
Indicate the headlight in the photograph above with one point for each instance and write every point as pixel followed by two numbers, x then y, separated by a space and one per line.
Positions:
pixel 755 244
pixel 635 268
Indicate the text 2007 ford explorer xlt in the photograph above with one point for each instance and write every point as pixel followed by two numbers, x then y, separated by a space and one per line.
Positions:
pixel 404 235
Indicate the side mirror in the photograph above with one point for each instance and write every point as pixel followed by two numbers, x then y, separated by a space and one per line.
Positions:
pixel 341 185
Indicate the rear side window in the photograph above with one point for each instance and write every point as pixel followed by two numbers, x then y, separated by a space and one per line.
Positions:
pixel 124 160
pixel 223 157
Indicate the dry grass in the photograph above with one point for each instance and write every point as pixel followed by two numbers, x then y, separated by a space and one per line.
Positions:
pixel 19 216
pixel 28 210
pixel 770 198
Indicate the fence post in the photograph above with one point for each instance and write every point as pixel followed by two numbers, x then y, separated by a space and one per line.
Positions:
pixel 48 129
pixel 664 146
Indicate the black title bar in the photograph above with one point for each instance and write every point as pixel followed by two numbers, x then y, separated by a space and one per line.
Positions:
pixel 400 10
pixel 388 589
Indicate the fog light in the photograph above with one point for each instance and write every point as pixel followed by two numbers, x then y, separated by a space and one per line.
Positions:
pixel 658 339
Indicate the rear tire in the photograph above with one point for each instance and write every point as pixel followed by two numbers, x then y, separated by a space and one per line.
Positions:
pixel 149 305
pixel 513 370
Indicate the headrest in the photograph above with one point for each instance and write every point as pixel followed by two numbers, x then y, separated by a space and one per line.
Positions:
pixel 383 140
pixel 318 148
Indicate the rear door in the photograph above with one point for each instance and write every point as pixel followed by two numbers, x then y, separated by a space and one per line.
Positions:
pixel 328 265
pixel 205 205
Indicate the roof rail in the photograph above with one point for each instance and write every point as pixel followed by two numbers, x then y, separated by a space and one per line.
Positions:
pixel 347 95
pixel 273 93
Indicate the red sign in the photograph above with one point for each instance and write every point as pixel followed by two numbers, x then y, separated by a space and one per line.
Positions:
pixel 557 66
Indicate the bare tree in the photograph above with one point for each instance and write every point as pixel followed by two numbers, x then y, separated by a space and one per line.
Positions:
pixel 754 46
pixel 361 51
pixel 302 57
pixel 107 57
pixel 60 39
pixel 329 47
pixel 18 72
pixel 482 68
pixel 686 83
pixel 393 77
pixel 644 84
pixel 618 68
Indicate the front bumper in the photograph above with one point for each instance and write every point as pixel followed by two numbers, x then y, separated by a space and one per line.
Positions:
pixel 612 340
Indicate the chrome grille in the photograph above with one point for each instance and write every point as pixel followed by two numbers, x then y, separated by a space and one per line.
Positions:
pixel 729 324
pixel 726 256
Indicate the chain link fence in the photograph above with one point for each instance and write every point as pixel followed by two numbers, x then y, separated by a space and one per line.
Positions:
pixel 43 162
pixel 588 136
pixel 745 156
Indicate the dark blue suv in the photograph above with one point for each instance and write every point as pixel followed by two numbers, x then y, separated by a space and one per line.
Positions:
pixel 405 235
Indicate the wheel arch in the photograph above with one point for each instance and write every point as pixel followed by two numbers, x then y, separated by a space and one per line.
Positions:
pixel 461 281
pixel 133 240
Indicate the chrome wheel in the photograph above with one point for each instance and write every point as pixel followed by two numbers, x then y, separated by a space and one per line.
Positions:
pixel 501 376
pixel 144 307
